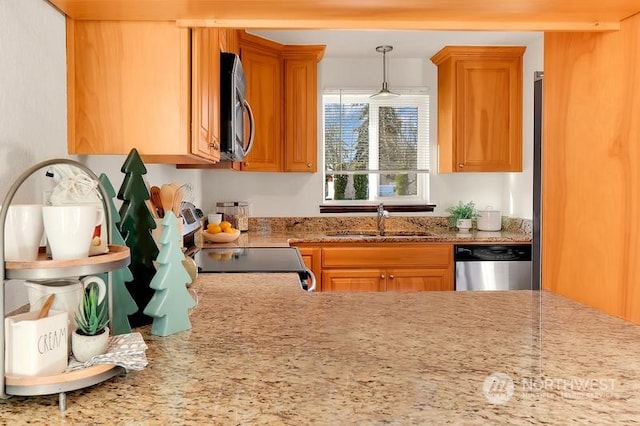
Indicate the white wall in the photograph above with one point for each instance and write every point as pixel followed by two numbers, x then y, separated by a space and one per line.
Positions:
pixel 518 199
pixel 33 109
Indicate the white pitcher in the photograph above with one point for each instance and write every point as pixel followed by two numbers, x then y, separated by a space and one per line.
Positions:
pixel 68 293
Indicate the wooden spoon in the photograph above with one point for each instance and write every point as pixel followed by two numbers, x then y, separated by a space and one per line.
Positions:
pixel 155 199
pixel 167 195
pixel 177 201
pixel 44 311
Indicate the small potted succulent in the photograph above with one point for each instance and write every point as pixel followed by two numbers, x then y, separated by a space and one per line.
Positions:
pixel 92 335
pixel 461 215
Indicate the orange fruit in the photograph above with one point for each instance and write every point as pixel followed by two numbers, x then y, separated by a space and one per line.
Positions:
pixel 213 228
pixel 225 224
pixel 229 230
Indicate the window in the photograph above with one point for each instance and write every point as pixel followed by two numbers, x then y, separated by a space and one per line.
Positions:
pixel 375 149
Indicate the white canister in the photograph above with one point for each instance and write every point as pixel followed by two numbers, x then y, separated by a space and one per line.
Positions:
pixel 489 220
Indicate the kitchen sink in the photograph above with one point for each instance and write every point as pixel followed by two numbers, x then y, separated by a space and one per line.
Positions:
pixel 363 234
pixel 351 234
pixel 409 234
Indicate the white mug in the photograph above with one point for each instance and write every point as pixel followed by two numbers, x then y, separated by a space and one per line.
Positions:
pixel 69 293
pixel 23 232
pixel 69 229
pixel 214 218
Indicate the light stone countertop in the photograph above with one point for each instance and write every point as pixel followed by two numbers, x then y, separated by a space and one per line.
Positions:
pixel 284 239
pixel 281 232
pixel 261 351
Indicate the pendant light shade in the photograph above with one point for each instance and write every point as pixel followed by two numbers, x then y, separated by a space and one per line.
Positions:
pixel 384 92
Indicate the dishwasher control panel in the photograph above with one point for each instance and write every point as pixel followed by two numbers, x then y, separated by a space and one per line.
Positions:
pixel 480 252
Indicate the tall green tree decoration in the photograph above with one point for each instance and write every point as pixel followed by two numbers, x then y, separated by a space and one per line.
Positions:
pixel 122 303
pixel 171 302
pixel 136 225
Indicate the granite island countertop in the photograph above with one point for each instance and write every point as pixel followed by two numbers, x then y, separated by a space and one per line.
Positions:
pixel 261 351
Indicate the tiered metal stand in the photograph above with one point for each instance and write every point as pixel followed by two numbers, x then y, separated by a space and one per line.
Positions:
pixel 44 268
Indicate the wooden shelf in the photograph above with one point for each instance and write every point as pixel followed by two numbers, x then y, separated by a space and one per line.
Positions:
pixel 44 268
pixel 68 381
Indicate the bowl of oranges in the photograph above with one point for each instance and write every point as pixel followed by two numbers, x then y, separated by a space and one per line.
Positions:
pixel 222 233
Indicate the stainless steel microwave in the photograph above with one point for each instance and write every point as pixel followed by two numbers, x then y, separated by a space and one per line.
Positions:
pixel 236 119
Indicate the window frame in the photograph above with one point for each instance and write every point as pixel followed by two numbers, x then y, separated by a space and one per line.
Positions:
pixel 414 98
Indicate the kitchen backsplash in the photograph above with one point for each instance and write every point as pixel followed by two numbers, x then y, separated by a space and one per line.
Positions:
pixel 360 223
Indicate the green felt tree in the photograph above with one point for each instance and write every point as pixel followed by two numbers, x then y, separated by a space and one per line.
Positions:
pixel 136 223
pixel 122 303
pixel 171 302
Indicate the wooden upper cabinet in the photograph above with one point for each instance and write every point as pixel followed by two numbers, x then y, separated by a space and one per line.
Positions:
pixel 300 107
pixel 206 94
pixel 262 65
pixel 479 108
pixel 130 86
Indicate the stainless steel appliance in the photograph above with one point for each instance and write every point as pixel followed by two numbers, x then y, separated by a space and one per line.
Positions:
pixel 538 85
pixel 234 143
pixel 191 224
pixel 492 267
pixel 255 260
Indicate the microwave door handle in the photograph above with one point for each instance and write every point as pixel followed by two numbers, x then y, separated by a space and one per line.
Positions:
pixel 246 106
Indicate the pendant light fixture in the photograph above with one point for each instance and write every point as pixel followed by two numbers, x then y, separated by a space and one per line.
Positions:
pixel 384 92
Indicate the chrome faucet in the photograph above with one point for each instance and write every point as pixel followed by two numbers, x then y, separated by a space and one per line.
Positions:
pixel 382 214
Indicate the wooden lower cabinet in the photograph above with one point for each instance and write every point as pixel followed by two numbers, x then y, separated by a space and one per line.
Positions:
pixel 419 280
pixel 380 266
pixel 353 280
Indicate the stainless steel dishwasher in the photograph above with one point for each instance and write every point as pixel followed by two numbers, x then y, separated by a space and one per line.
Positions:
pixel 493 267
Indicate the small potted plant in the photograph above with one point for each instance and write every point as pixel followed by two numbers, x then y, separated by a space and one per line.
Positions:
pixel 461 215
pixel 92 335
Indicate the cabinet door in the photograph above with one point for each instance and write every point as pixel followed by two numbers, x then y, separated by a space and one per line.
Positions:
pixel 489 112
pixel 129 86
pixel 479 108
pixel 263 69
pixel 419 280
pixel 300 113
pixel 353 280
pixel 206 94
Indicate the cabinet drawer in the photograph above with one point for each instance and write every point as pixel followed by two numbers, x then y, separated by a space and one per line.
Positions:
pixel 427 255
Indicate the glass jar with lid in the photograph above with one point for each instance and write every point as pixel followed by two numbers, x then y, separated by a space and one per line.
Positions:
pixel 235 212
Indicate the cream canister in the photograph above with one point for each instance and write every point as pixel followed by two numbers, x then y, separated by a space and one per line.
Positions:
pixel 489 220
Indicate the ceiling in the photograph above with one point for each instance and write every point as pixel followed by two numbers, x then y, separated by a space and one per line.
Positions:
pixel 583 15
pixel 406 44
